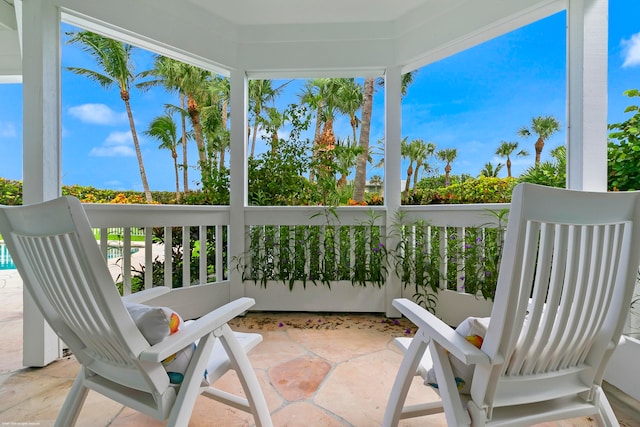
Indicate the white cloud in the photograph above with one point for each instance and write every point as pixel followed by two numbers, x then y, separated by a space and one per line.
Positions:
pixel 117 144
pixel 118 151
pixel 631 51
pixel 119 138
pixel 7 130
pixel 98 114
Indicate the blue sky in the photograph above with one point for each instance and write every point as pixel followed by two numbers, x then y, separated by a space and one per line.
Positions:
pixel 471 101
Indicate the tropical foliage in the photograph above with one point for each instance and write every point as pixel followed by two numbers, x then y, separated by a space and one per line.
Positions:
pixel 624 149
pixel 552 173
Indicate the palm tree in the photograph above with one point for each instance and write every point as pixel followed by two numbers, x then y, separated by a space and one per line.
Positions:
pixel 410 150
pixel 260 93
pixel 163 128
pixel 360 180
pixel 220 89
pixel 166 70
pixel 312 97
pixel 330 93
pixel 322 95
pixel 346 158
pixel 350 101
pixel 192 81
pixel 273 121
pixel 506 149
pixel 114 59
pixel 447 155
pixel 424 152
pixel 491 171
pixel 376 180
pixel 544 127
pixel 365 130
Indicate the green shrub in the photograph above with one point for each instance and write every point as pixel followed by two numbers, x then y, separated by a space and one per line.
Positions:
pixel 624 155
pixel 474 190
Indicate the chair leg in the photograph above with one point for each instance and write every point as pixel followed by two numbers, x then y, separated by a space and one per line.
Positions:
pixel 190 387
pixel 402 383
pixel 606 417
pixel 247 377
pixel 73 403
pixel 455 411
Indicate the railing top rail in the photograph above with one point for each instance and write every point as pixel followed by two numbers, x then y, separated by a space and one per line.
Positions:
pixel 123 215
pixel 471 215
pixel 315 215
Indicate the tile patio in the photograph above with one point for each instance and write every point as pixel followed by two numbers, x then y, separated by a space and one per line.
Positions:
pixel 324 370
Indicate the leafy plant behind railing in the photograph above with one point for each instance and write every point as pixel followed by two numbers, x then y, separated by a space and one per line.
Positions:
pixel 316 254
pixel 462 259
pixel 416 259
pixel 426 255
pixel 177 259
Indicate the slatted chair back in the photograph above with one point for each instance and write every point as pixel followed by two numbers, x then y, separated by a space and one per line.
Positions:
pixel 567 275
pixel 63 270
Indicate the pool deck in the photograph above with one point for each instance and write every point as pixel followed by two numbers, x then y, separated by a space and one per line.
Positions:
pixel 316 370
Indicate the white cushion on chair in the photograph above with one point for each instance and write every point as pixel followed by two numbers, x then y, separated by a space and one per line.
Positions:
pixel 157 323
pixel 473 329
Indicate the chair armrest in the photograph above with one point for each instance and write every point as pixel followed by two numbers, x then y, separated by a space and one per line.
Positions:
pixel 442 333
pixel 196 330
pixel 146 295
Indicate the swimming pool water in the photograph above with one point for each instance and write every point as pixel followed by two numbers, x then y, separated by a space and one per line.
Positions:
pixel 6 263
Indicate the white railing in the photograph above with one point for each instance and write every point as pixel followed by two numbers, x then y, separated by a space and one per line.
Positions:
pixel 293 247
pixel 140 233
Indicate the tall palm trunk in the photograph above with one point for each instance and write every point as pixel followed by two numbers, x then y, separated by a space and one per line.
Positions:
pixel 539 146
pixel 447 176
pixel 354 127
pixel 316 137
pixel 174 155
pixel 365 129
pixel 185 164
pixel 194 114
pixel 415 176
pixel 255 134
pixel 407 183
pixel 508 167
pixel 327 139
pixel 225 119
pixel 143 175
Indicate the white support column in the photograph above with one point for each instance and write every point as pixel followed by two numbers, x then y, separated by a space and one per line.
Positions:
pixel 392 173
pixel 238 182
pixel 587 35
pixel 41 147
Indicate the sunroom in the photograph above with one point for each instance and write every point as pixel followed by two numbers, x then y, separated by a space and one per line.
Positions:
pixel 253 39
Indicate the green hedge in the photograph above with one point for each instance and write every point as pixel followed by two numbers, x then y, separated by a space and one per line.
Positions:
pixel 474 190
pixel 11 194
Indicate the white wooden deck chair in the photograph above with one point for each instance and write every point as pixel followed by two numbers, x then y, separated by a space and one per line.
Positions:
pixel 566 279
pixel 59 260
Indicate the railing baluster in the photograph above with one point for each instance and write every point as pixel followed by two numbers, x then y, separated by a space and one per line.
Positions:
pixel 186 256
pixel 202 260
pixel 168 259
pixel 126 261
pixel 148 257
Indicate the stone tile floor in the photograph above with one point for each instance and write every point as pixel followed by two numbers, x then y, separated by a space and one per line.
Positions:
pixel 321 370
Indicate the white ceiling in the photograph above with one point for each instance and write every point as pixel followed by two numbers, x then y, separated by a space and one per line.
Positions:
pixel 262 12
pixel 290 38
